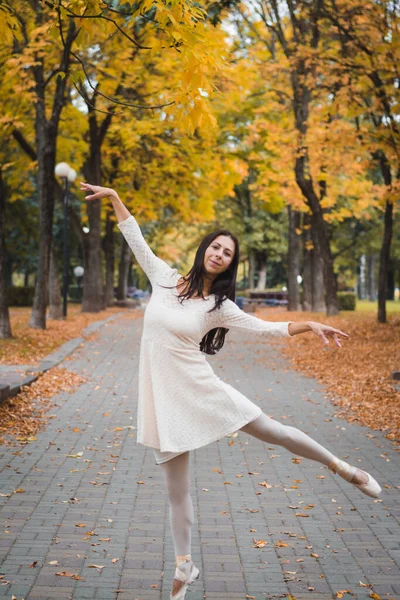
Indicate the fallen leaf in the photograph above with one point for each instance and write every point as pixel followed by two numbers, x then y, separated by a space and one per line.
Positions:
pixel 259 543
pixel 73 575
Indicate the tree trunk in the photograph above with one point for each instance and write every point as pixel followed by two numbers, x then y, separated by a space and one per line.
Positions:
pixel 108 247
pixel 371 278
pixel 317 276
pixel 93 289
pixel 252 270
pixel 5 325
pixel 307 263
pixel 386 242
pixel 246 283
pixel 319 226
pixel 301 101
pixel 55 298
pixel 262 270
pixel 384 262
pixel 47 119
pixel 123 270
pixel 362 278
pixel 293 260
pixel 46 152
pixel 390 284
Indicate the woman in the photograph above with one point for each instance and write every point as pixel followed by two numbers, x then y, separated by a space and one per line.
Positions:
pixel 182 403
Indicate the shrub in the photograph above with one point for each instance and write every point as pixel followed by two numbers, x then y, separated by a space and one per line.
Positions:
pixel 75 293
pixel 20 296
pixel 347 300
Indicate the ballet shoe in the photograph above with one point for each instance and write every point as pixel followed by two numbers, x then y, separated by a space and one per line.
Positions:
pixel 182 576
pixel 370 488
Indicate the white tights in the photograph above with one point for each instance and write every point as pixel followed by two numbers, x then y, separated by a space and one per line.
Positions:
pixel 176 472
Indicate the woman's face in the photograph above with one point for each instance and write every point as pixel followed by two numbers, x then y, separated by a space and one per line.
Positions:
pixel 219 255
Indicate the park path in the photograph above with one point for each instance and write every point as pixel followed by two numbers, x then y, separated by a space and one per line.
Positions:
pixel 105 505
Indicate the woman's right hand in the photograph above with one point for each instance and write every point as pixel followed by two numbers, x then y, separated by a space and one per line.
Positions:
pixel 98 191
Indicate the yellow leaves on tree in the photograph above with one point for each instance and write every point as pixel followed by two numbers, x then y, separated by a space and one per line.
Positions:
pixel 172 28
pixel 10 27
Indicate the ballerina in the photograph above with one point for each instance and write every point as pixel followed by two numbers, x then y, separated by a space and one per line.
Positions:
pixel 182 403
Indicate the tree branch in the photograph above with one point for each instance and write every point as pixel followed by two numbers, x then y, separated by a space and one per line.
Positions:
pixel 114 100
pixel 25 145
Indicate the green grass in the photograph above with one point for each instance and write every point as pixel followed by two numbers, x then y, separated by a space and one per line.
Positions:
pixel 392 306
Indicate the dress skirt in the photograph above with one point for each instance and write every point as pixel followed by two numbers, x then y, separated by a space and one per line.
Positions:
pixel 162 457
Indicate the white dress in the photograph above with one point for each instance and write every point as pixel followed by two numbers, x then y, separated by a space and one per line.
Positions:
pixel 182 403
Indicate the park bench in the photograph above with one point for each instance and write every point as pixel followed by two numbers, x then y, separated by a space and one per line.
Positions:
pixel 261 298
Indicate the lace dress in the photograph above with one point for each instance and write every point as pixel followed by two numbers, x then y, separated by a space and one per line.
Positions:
pixel 182 403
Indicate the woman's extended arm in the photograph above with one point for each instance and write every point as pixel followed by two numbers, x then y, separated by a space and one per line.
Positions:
pixel 323 331
pixel 232 317
pixel 150 263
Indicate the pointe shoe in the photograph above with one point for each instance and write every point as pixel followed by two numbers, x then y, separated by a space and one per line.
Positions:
pixel 181 576
pixel 371 488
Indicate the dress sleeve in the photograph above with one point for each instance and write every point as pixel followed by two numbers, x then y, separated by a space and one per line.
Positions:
pixel 232 317
pixel 150 263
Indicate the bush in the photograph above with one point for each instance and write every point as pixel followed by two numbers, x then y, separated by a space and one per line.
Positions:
pixel 20 296
pixel 347 300
pixel 75 293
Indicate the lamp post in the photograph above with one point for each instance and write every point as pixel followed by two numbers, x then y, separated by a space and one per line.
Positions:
pixel 64 171
pixel 78 272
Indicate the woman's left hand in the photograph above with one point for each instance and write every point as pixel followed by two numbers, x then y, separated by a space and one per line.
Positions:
pixel 325 331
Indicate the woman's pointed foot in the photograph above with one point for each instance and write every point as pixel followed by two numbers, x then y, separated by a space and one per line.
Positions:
pixel 360 479
pixel 185 573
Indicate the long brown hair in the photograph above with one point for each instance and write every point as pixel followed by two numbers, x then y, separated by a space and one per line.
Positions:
pixel 222 287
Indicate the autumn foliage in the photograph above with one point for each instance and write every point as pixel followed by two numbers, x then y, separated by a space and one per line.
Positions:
pixel 357 376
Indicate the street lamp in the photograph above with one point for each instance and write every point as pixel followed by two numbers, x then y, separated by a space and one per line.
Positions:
pixel 64 171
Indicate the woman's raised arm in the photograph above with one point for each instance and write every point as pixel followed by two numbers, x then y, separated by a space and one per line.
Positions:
pixel 99 192
pixel 150 263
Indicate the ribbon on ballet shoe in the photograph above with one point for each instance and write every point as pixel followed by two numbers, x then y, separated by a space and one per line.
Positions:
pixel 180 559
pixel 342 468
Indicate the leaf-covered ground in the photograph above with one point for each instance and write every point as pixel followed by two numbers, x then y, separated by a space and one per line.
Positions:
pixel 28 346
pixel 25 414
pixel 357 376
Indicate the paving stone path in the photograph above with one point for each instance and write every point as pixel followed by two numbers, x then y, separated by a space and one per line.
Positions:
pixel 95 498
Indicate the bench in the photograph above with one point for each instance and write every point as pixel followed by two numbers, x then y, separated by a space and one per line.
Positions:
pixel 251 304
